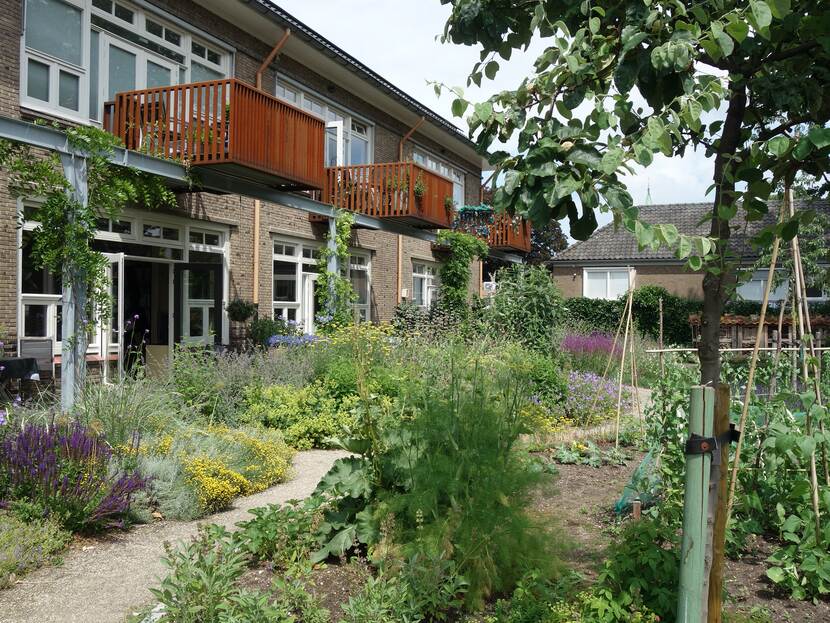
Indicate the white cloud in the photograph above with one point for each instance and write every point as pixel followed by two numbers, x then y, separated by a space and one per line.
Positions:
pixel 399 40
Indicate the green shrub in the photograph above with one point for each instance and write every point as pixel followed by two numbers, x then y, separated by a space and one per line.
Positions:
pixel 202 584
pixel 527 307
pixel 442 468
pixel 307 417
pixel 28 543
pixel 384 599
pixel 676 312
pixel 214 386
pixel 120 411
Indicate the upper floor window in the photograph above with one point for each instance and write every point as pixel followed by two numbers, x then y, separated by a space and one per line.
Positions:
pixel 348 139
pixel 605 283
pixel 427 160
pixel 79 53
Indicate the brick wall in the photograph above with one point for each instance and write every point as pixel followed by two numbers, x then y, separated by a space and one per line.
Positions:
pixel 236 211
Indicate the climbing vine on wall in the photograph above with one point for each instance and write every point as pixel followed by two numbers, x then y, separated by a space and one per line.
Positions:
pixel 61 242
pixel 335 294
pixel 455 272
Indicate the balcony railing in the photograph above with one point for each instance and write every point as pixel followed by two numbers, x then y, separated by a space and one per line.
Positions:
pixel 509 234
pixel 227 124
pixel 401 191
pixel 501 231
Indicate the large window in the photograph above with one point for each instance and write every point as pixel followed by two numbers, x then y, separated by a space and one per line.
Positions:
pixel 295 279
pixel 753 288
pixel 605 283
pixel 78 53
pixel 139 236
pixel 427 160
pixel 348 138
pixel 424 283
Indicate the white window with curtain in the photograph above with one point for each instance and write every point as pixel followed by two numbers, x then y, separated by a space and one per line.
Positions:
pixel 346 133
pixel 76 54
pixel 753 288
pixel 424 283
pixel 456 175
pixel 605 283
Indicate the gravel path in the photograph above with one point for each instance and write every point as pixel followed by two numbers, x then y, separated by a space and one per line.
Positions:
pixel 101 581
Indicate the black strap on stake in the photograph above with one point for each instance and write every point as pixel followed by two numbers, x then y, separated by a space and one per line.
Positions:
pixel 697 444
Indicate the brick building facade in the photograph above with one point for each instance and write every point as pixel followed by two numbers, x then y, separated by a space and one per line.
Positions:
pixel 50 71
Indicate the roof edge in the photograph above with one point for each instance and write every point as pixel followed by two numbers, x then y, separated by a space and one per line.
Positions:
pixel 285 19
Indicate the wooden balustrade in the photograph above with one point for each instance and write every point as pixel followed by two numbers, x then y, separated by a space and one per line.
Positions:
pixel 501 231
pixel 403 191
pixel 223 123
pixel 509 234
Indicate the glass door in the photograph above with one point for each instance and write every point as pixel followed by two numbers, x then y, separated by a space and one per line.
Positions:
pixel 198 303
pixel 335 144
pixel 122 67
pixel 111 332
pixel 309 305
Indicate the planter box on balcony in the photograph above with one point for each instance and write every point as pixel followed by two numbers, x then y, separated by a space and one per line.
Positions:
pixel 387 191
pixel 225 124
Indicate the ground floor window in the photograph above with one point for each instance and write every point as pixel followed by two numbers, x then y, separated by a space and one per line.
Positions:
pixel 360 280
pixel 295 281
pixel 605 283
pixel 424 283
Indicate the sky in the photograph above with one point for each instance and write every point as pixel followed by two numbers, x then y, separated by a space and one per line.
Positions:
pixel 399 40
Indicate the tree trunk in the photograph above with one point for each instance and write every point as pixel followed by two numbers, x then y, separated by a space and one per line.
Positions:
pixel 715 286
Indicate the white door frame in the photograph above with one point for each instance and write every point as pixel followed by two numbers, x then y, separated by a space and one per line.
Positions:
pixel 106 330
pixel 341 141
pixel 309 279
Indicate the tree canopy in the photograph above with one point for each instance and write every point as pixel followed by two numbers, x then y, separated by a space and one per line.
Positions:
pixel 618 82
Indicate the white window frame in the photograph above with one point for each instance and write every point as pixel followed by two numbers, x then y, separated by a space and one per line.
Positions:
pixel 607 270
pixel 330 112
pixel 429 281
pixel 141 12
pixel 281 308
pixel 363 311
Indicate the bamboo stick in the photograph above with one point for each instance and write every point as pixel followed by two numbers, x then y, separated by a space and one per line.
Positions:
pixel 751 374
pixel 622 360
pixel 808 426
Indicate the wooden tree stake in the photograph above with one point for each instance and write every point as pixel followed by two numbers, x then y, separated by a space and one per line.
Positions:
pixel 717 512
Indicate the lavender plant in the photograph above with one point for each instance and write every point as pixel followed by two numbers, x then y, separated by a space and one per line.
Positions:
pixel 67 471
pixel 591 399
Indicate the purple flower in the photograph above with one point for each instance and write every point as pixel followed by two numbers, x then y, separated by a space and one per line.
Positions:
pixel 588 344
pixel 4 417
pixel 17 401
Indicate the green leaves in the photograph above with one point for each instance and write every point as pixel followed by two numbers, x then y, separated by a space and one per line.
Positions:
pixel 818 136
pixel 778 146
pixel 761 12
pixel 585 154
pixel 491 69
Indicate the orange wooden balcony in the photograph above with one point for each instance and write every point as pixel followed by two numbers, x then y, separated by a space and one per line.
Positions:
pixel 225 124
pixel 401 191
pixel 509 234
pixel 501 231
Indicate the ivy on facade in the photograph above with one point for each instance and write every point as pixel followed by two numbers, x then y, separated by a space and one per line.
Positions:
pixel 335 294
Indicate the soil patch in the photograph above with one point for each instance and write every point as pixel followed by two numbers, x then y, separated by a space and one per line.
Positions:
pixel 583 503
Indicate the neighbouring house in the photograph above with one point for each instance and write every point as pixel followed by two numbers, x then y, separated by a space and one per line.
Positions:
pixel 186 79
pixel 599 267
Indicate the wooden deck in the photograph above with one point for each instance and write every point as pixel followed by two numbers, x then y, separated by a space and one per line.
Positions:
pixel 226 124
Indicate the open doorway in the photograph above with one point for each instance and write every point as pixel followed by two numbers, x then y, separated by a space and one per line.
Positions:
pixel 147 319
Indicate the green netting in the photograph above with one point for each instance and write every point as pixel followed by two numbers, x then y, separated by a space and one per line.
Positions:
pixel 643 485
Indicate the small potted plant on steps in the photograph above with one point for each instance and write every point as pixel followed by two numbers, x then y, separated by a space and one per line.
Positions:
pixel 239 312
